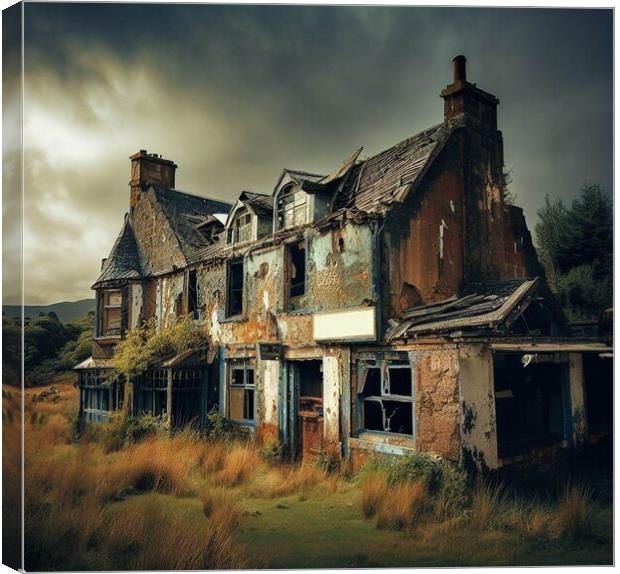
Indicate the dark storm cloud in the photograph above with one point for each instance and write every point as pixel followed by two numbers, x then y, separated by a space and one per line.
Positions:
pixel 235 93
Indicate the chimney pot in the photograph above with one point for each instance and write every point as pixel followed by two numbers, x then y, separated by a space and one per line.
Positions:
pixel 460 72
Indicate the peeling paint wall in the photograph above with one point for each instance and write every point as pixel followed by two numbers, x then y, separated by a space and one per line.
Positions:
pixel 437 402
pixel 477 416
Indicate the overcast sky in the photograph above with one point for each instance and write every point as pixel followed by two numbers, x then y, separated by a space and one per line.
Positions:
pixel 233 94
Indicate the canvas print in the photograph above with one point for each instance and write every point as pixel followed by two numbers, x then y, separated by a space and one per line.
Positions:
pixel 297 286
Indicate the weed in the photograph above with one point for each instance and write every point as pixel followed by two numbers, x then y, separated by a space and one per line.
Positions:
pixel 401 506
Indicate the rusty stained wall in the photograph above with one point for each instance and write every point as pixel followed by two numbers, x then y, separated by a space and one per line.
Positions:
pixel 520 259
pixel 478 419
pixel 437 402
pixel 156 236
pixel 339 275
pixel 340 268
pixel 483 163
pixel 336 374
pixel 424 239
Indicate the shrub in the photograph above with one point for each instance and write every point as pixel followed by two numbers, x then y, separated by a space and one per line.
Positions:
pixel 442 479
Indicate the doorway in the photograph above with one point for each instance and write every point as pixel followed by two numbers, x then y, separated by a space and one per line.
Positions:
pixel 306 407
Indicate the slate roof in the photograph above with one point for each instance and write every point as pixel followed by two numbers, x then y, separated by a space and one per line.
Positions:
pixel 181 209
pixel 485 306
pixel 375 183
pixel 124 260
pixel 262 204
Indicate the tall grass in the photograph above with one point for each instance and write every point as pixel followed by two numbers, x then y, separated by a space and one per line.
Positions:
pixel 574 517
pixel 401 506
pixel 238 466
pixel 374 489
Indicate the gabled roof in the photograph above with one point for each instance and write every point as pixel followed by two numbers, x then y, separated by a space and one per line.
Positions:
pixel 181 209
pixel 261 204
pixel 486 306
pixel 377 182
pixel 123 262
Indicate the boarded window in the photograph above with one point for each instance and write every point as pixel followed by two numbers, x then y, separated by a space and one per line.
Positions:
pixel 234 299
pixel 386 397
pixel 241 390
pixel 111 313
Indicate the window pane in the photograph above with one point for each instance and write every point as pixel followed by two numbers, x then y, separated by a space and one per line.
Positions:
pixel 237 403
pixel 237 377
pixel 112 320
pixel 113 298
pixel 400 381
pixel 373 419
pixel 250 377
pixel 248 413
pixel 372 388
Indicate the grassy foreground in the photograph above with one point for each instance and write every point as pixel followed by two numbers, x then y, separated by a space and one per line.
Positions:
pixel 189 503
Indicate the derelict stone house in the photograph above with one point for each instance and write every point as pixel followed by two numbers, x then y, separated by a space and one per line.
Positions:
pixel 394 305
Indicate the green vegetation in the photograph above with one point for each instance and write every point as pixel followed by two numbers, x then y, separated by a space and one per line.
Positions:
pixel 185 501
pixel 575 245
pixel 145 345
pixel 51 348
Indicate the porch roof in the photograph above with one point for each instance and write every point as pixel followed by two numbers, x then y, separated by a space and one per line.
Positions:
pixel 491 306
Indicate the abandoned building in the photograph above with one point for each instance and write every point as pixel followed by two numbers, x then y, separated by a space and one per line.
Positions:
pixel 394 305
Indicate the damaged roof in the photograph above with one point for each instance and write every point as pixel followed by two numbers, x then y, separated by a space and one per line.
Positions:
pixel 485 305
pixel 375 183
pixel 124 260
pixel 261 204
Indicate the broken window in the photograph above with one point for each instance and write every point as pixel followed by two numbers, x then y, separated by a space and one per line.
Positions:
pixel 234 298
pixel 241 390
pixel 386 396
pixel 111 304
pixel 529 401
pixel 292 207
pixel 192 294
pixel 297 274
pixel 241 227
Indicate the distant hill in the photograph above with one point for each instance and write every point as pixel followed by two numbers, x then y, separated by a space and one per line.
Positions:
pixel 66 311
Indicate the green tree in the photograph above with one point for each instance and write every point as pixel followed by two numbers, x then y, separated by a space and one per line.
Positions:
pixel 575 247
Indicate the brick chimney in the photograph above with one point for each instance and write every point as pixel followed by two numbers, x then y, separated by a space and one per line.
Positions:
pixel 463 99
pixel 149 168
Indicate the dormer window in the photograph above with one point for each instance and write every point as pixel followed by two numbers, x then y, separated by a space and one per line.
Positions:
pixel 241 228
pixel 292 207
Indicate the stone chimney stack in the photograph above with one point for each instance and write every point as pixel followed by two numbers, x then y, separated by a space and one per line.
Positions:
pixel 149 168
pixel 463 99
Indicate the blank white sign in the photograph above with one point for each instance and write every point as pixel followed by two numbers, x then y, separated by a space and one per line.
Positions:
pixel 358 324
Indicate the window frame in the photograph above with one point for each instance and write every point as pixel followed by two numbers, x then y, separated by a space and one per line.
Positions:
pixel 246 366
pixel 292 191
pixel 290 298
pixel 105 308
pixel 229 289
pixel 384 367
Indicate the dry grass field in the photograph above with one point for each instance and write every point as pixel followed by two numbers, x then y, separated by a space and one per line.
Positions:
pixel 184 502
